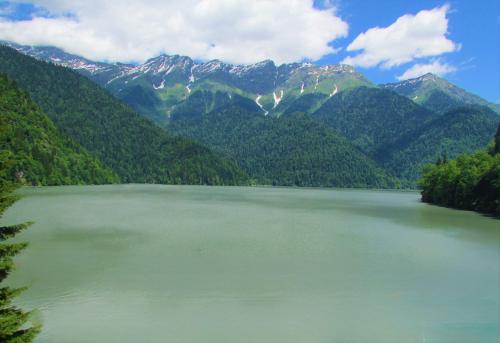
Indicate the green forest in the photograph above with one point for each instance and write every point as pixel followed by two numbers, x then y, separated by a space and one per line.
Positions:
pixel 15 324
pixel 40 154
pixel 131 146
pixel 294 150
pixel 469 182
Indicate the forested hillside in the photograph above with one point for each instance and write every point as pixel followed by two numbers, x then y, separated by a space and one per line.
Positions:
pixel 470 182
pixel 133 147
pixel 402 136
pixel 37 151
pixel 462 130
pixel 372 118
pixel 291 150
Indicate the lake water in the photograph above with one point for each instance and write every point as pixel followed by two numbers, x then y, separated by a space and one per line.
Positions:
pixel 148 263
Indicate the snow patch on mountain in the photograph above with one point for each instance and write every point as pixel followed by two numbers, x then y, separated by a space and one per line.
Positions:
pixel 277 98
pixel 302 88
pixel 335 90
pixel 257 101
pixel 161 86
pixel 191 73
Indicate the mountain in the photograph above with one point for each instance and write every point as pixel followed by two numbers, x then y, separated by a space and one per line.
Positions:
pixel 390 125
pixel 39 153
pixel 372 118
pixel 157 86
pixel 402 136
pixel 133 147
pixel 461 130
pixel 437 94
pixel 292 150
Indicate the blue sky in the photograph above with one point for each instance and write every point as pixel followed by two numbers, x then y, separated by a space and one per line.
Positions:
pixel 384 39
pixel 473 24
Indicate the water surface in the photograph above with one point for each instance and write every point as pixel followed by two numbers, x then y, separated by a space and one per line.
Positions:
pixel 147 263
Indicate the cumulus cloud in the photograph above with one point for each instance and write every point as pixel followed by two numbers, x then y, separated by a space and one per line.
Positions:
pixel 236 31
pixel 410 37
pixel 437 67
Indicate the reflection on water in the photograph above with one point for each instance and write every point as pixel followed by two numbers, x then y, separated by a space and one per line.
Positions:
pixel 144 263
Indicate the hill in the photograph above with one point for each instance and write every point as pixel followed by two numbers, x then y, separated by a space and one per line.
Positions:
pixel 292 150
pixel 133 147
pixel 372 118
pixel 39 153
pixel 459 131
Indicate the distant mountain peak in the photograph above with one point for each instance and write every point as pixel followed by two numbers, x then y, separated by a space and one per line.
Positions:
pixel 436 93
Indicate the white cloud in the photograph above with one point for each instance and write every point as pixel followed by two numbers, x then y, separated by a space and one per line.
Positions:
pixel 236 31
pixel 437 67
pixel 410 37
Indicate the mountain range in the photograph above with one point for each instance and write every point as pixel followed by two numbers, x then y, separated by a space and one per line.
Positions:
pixel 125 142
pixel 293 124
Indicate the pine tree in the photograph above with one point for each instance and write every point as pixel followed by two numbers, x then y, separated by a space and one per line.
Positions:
pixel 15 326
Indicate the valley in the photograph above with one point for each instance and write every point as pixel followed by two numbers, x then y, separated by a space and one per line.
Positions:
pixel 266 171
pixel 296 124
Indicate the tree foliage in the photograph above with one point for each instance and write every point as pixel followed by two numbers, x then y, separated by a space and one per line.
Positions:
pixel 42 155
pixel 132 146
pixel 293 150
pixel 461 130
pixel 470 182
pixel 402 136
pixel 372 118
pixel 15 325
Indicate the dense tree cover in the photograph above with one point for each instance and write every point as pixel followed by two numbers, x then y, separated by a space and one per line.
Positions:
pixel 371 118
pixel 462 130
pixel 15 325
pixel 402 136
pixel 42 156
pixel 470 182
pixel 440 102
pixel 133 147
pixel 290 150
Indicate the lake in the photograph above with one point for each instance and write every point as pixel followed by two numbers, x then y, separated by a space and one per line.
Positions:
pixel 151 263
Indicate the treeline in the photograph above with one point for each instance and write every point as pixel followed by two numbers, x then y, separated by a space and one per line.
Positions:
pixel 470 182
pixel 38 153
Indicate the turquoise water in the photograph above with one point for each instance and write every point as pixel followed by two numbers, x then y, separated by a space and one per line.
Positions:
pixel 148 263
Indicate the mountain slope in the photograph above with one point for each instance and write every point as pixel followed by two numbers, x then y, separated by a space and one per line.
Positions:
pixel 133 147
pixel 40 154
pixel 155 87
pixel 459 131
pixel 290 150
pixel 437 94
pixel 372 118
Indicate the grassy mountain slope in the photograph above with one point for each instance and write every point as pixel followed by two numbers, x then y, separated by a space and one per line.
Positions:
pixel 437 94
pixel 133 147
pixel 40 154
pixel 290 150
